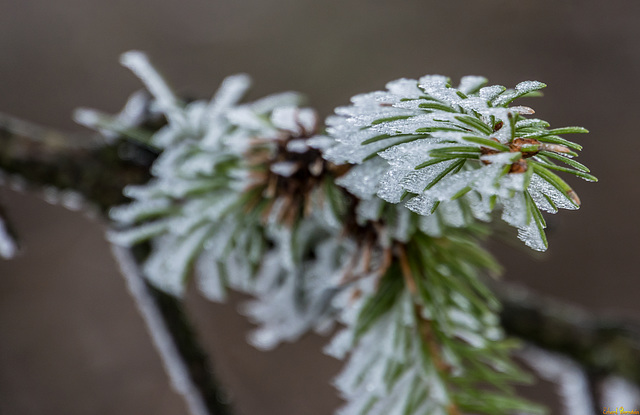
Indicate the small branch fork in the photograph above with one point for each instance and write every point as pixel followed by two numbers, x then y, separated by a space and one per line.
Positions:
pixel 99 170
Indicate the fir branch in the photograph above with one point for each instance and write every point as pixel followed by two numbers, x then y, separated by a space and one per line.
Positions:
pixel 473 149
pixel 50 158
pixel 281 248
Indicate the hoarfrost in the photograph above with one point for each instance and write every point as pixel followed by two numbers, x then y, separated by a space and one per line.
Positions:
pixel 573 386
pixel 416 181
pixel 529 86
pixel 422 204
pixel 270 102
pixel 390 187
pixel 209 279
pixel 514 211
pixel 532 236
pixel 369 210
pixel 8 245
pixel 132 236
pixel 430 225
pixel 619 393
pixel 463 318
pixel 474 339
pixel 539 187
pixel 231 90
pixel 167 266
pixel 128 214
pixel 299 121
pixel 489 93
pixel 501 159
pixel 285 168
pixel 401 229
pixel 297 146
pixel 320 142
pixel 469 84
pixel 165 99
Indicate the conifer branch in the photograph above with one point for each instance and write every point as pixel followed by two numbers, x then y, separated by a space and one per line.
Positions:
pixel 91 166
pixel 455 150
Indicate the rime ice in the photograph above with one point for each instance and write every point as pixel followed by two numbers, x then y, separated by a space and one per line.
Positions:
pixel 8 245
pixel 443 144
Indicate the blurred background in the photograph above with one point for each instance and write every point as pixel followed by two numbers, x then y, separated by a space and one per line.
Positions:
pixel 71 339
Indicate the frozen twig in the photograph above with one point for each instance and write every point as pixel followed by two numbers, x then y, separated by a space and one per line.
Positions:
pixel 572 381
pixel 160 334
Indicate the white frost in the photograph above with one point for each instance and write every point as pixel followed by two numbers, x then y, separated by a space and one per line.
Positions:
pixel 573 386
pixel 8 245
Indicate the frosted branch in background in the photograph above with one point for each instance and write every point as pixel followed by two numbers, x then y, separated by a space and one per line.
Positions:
pixel 162 339
pixel 570 379
pixel 8 244
pixel 617 392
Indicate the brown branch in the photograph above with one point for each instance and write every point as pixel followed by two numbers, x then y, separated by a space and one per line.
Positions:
pixel 99 171
pixel 85 164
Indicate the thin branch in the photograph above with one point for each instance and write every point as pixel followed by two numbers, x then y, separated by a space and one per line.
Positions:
pixel 98 171
pixel 166 334
pixel 86 164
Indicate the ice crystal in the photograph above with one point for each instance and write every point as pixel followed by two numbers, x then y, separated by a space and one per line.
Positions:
pixel 573 386
pixel 442 143
pixel 618 392
pixel 293 300
pixel 8 245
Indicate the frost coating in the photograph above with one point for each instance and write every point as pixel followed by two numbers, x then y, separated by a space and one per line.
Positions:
pixel 191 209
pixel 173 363
pixel 466 144
pixel 8 245
pixel 573 386
pixel 618 392
pixel 244 195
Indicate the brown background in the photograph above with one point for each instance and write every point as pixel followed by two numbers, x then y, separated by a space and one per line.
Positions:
pixel 70 339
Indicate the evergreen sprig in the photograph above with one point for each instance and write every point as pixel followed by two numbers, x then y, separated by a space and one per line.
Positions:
pixel 461 151
pixel 372 227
